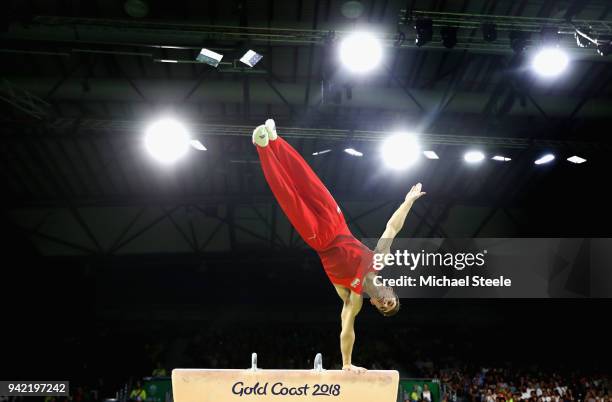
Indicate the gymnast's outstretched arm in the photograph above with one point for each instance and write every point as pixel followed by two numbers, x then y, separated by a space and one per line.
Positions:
pixel 395 224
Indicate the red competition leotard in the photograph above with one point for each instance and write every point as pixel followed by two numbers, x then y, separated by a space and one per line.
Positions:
pixel 346 261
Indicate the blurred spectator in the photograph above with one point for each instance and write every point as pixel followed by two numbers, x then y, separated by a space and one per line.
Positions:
pixel 138 393
pixel 414 395
pixel 464 374
pixel 159 371
pixel 426 393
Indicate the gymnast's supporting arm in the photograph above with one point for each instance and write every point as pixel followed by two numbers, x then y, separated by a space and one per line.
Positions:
pixel 396 222
pixel 350 309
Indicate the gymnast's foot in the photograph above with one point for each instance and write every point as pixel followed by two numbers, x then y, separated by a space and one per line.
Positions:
pixel 353 369
pixel 260 136
pixel 271 127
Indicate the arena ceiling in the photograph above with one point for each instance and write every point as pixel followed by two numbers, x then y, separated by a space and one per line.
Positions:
pixel 80 80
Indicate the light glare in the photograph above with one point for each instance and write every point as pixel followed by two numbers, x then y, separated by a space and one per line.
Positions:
pixel 576 159
pixel 545 159
pixel 209 57
pixel 431 155
pixel 360 52
pixel 167 140
pixel 400 151
pixel 353 152
pixel 473 156
pixel 501 158
pixel 251 58
pixel 550 62
pixel 197 145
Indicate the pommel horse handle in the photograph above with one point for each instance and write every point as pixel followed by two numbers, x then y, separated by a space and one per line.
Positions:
pixel 318 362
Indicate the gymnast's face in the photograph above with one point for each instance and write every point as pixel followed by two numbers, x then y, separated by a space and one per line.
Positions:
pixel 384 304
pixel 387 302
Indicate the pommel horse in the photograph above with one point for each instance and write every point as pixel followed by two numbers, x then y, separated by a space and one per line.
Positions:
pixel 257 385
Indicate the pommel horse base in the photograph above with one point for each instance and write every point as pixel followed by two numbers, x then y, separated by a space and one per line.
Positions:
pixel 257 385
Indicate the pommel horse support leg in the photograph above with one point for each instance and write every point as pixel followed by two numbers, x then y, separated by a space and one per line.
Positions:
pixel 257 385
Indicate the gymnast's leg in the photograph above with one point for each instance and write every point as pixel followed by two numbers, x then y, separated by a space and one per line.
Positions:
pixel 297 210
pixel 310 208
pixel 307 183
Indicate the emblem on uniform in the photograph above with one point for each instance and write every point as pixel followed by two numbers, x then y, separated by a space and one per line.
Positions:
pixel 355 282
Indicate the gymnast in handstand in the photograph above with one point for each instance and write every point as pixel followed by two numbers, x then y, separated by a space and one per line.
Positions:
pixel 316 216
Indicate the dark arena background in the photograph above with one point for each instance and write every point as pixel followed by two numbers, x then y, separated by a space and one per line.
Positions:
pixel 117 268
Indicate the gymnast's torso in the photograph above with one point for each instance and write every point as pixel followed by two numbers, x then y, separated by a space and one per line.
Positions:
pixel 346 260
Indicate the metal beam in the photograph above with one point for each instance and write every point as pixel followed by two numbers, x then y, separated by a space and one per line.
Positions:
pixel 232 226
pixel 133 85
pixel 127 228
pixel 270 225
pixel 194 236
pixel 61 81
pixel 280 95
pixel 178 228
pixel 86 229
pixel 206 242
pixel 184 36
pixel 59 241
pixel 144 229
pixel 125 128
pixel 203 74
pixel 217 198
pixel 407 91
pixel 484 222
pixel 505 22
pixel 599 87
pixel 367 212
pixel 364 234
pixel 23 100
pixel 311 54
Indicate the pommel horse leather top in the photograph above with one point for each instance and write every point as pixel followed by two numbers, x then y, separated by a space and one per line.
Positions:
pixel 257 385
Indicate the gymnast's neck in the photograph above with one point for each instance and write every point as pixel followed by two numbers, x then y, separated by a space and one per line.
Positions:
pixel 368 285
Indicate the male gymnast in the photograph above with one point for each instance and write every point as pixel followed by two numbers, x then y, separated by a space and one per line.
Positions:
pixel 315 215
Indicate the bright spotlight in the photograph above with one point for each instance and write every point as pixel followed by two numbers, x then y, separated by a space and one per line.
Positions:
pixel 550 62
pixel 360 52
pixel 250 58
pixel 353 152
pixel 431 155
pixel 473 156
pixel 325 151
pixel 196 144
pixel 545 159
pixel 576 159
pixel 400 151
pixel 501 158
pixel 167 140
pixel 209 57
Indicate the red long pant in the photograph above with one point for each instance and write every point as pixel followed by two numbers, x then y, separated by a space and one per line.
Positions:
pixel 310 207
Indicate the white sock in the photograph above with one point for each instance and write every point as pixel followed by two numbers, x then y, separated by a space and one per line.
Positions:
pixel 271 127
pixel 260 136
